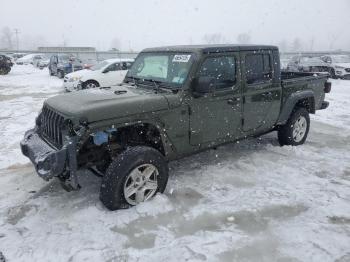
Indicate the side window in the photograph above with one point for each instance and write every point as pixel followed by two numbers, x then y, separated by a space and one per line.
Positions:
pixel 126 65
pixel 258 68
pixel 114 67
pixel 222 69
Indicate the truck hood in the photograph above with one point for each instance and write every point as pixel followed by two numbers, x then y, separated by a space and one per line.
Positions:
pixel 101 104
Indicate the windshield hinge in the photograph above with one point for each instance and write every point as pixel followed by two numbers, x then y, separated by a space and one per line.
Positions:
pixel 242 121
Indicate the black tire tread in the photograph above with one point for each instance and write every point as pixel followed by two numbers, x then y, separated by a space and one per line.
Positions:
pixel 111 192
pixel 285 131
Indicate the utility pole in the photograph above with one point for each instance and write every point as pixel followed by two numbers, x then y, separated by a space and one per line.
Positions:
pixel 17 32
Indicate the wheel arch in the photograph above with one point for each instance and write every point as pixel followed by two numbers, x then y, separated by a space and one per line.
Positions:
pixel 142 131
pixel 304 99
pixel 91 80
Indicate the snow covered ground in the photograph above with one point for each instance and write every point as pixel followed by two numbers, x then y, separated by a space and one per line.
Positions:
pixel 249 201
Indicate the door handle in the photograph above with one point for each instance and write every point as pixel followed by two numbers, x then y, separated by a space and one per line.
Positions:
pixel 233 101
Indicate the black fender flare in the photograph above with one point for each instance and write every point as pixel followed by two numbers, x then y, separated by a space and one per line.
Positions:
pixel 291 101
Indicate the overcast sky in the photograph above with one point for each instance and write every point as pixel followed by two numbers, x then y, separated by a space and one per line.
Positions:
pixel 140 24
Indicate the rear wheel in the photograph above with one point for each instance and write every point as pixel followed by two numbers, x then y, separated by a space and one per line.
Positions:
pixel 295 131
pixel 135 176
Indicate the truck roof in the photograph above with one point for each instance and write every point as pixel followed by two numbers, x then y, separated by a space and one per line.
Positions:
pixel 209 48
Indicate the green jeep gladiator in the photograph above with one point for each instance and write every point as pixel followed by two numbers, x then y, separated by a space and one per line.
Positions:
pixel 175 101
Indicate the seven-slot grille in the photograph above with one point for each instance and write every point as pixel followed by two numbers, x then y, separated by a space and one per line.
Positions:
pixel 51 126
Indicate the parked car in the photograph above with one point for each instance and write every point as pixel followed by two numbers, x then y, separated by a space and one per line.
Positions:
pixel 43 63
pixel 5 64
pixel 25 60
pixel 174 101
pixel 107 73
pixel 18 55
pixel 10 56
pixel 63 64
pixel 285 59
pixel 340 65
pixel 37 58
pixel 304 63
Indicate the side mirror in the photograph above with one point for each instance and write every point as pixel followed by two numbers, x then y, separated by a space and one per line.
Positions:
pixel 203 85
pixel 105 71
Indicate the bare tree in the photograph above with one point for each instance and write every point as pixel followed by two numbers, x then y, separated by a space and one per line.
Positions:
pixel 332 39
pixel 116 44
pixel 216 38
pixel 312 42
pixel 7 37
pixel 297 45
pixel 283 45
pixel 33 41
pixel 243 38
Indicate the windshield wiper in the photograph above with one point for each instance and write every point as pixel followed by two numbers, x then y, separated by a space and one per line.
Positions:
pixel 159 85
pixel 132 78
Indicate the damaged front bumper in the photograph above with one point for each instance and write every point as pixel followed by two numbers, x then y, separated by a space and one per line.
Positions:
pixel 50 162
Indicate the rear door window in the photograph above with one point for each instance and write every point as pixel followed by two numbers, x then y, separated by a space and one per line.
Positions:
pixel 114 67
pixel 258 68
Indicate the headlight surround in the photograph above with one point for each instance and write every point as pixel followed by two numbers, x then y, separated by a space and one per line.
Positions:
pixel 74 78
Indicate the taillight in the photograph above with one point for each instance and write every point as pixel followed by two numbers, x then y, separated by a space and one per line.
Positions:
pixel 327 87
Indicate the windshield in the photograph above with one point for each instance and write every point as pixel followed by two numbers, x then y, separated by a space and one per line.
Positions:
pixel 170 68
pixel 63 58
pixel 99 66
pixel 341 59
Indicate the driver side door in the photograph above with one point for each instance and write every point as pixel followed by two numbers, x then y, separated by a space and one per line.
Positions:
pixel 216 117
pixel 112 75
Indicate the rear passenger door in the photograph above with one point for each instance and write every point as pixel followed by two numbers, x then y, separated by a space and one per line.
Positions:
pixel 261 90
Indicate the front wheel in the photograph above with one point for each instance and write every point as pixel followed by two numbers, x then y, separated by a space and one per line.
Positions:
pixel 295 131
pixel 5 70
pixel 135 176
pixel 60 74
pixel 90 84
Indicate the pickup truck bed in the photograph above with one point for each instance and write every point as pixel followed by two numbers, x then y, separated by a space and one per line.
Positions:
pixel 294 82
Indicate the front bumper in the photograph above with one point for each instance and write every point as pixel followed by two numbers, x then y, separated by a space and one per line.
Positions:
pixel 48 161
pixel 324 105
pixel 70 86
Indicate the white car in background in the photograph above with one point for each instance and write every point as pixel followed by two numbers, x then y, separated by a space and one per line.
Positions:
pixel 26 60
pixel 340 64
pixel 106 73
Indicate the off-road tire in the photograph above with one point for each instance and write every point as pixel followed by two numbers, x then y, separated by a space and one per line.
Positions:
pixel 112 185
pixel 285 132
